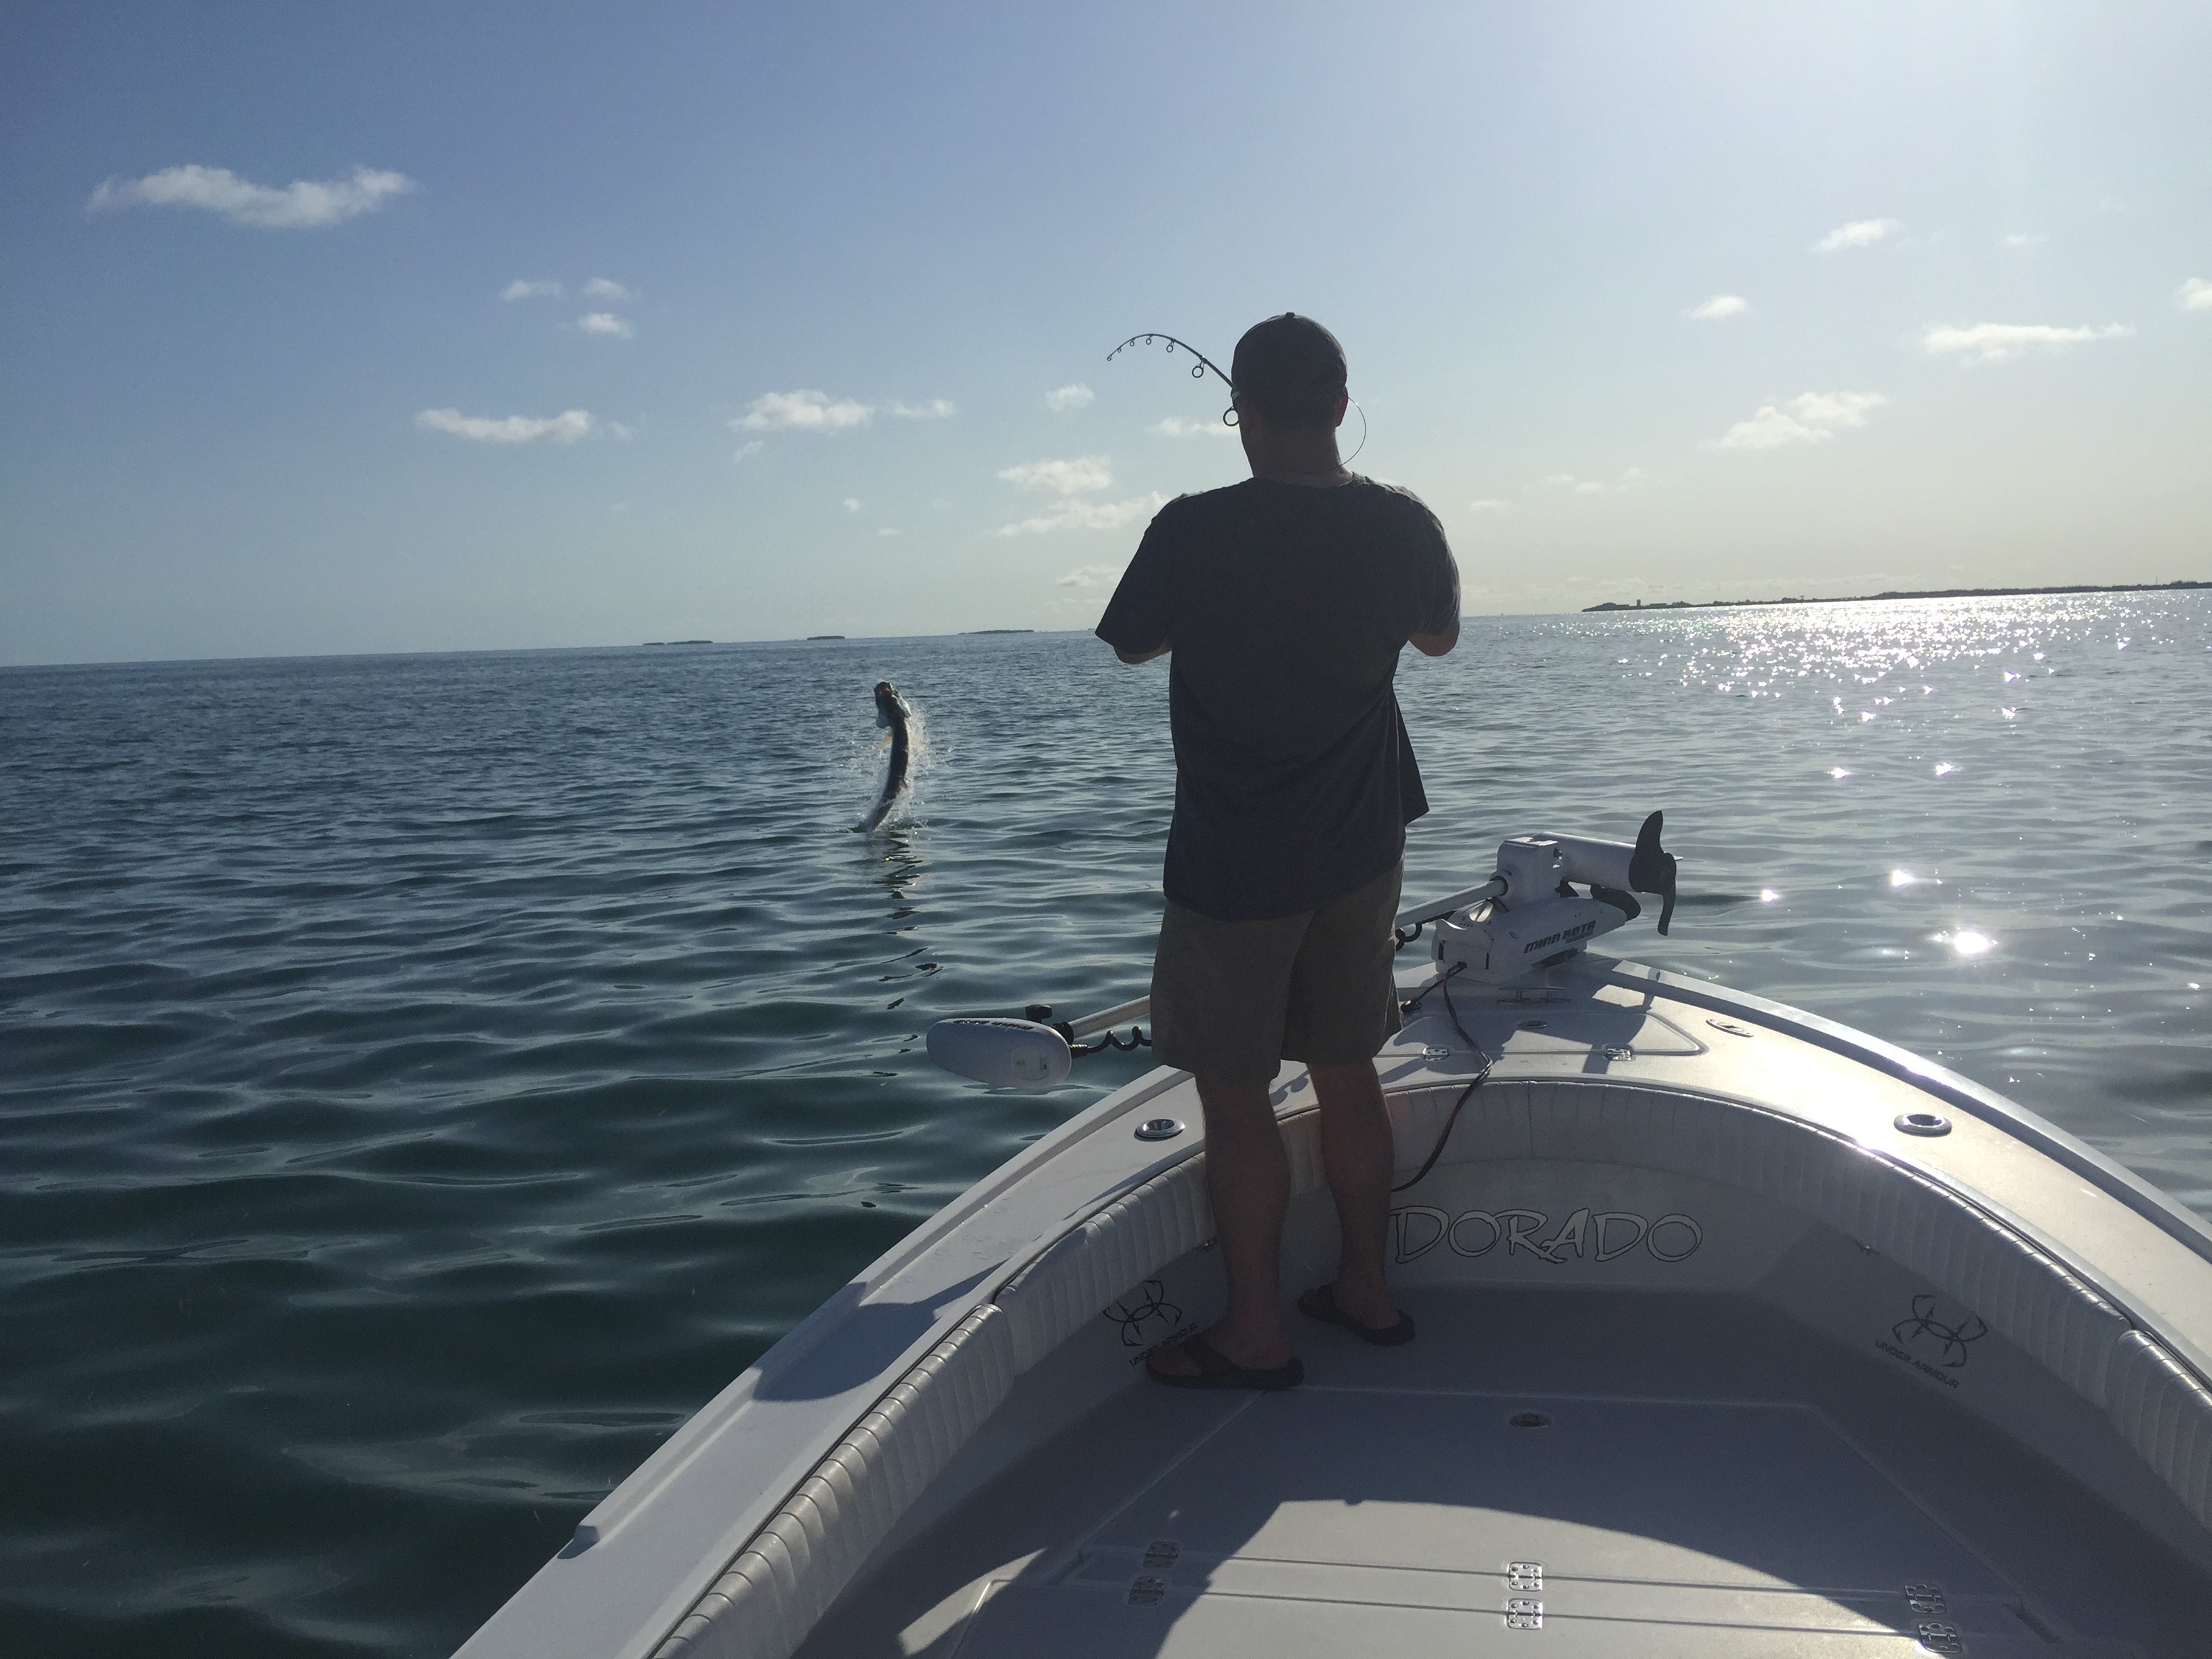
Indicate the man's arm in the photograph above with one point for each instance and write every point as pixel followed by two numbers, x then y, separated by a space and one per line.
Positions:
pixel 1439 580
pixel 1142 607
pixel 1429 645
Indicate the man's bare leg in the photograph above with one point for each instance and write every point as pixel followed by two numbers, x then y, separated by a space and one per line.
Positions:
pixel 1357 1154
pixel 1247 1178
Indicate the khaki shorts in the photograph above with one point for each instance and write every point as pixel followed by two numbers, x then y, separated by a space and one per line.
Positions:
pixel 1231 1000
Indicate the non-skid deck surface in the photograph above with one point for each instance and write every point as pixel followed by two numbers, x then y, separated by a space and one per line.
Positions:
pixel 1321 1520
pixel 1395 1505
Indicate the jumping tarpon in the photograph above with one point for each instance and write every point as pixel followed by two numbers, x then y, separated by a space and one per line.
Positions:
pixel 891 716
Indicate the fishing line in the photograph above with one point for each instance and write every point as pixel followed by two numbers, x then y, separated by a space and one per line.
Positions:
pixel 1197 372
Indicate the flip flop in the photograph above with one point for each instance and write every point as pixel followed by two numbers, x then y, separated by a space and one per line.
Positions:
pixel 1215 1371
pixel 1320 1302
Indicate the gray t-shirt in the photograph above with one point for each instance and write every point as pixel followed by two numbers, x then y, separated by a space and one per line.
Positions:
pixel 1287 607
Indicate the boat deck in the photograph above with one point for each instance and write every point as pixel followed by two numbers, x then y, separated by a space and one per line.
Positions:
pixel 1734 1484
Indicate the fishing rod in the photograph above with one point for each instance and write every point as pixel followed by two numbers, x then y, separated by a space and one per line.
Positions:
pixel 1197 372
pixel 1197 369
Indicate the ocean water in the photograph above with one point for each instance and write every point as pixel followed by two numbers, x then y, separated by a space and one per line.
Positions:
pixel 425 1080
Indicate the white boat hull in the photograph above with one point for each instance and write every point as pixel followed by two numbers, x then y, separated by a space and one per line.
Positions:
pixel 1810 1381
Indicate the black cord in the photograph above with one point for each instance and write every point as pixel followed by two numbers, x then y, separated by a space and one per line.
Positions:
pixel 1108 1040
pixel 1437 1151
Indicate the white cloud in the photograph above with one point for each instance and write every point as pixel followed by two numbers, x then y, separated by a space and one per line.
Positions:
pixel 1813 417
pixel 600 289
pixel 818 411
pixel 1079 475
pixel 605 322
pixel 2195 294
pixel 1087 515
pixel 852 504
pixel 887 530
pixel 562 428
pixel 1831 409
pixel 544 288
pixel 2026 238
pixel 750 447
pixel 1991 342
pixel 1720 306
pixel 1487 506
pixel 1078 395
pixel 1091 575
pixel 802 411
pixel 1175 427
pixel 1628 480
pixel 1860 233
pixel 300 205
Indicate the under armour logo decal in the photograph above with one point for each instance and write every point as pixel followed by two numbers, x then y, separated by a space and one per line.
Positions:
pixel 1133 1313
pixel 1954 1337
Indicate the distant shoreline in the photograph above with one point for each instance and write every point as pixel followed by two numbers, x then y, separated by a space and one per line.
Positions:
pixel 1929 593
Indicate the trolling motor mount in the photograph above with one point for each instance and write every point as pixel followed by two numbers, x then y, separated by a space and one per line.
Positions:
pixel 1533 918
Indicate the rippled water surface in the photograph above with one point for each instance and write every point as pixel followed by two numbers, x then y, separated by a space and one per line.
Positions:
pixel 425 1080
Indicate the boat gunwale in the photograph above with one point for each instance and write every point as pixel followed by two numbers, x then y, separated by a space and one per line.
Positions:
pixel 2107 1174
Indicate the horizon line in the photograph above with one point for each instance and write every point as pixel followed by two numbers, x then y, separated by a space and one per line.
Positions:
pixel 1604 608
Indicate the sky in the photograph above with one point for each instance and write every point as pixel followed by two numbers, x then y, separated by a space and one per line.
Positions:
pixel 351 328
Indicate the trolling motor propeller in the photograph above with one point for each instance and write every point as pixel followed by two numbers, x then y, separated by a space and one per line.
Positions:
pixel 1613 869
pixel 1651 870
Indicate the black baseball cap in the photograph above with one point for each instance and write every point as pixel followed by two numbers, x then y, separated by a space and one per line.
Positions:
pixel 1292 368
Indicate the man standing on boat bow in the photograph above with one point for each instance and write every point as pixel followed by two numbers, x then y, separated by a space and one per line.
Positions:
pixel 1285 600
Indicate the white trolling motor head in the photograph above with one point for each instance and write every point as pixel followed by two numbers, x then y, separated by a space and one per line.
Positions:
pixel 1532 918
pixel 1007 1053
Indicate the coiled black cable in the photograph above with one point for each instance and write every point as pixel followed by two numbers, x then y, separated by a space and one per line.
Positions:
pixel 1476 1082
pixel 1108 1040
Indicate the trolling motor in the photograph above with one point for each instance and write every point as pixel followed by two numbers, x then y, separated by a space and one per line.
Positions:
pixel 1034 1052
pixel 1526 918
pixel 1529 916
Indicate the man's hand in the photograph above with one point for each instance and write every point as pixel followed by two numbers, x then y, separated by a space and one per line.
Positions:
pixel 1429 645
pixel 1133 657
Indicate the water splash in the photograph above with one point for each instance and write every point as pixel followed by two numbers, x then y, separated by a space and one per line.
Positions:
pixel 869 754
